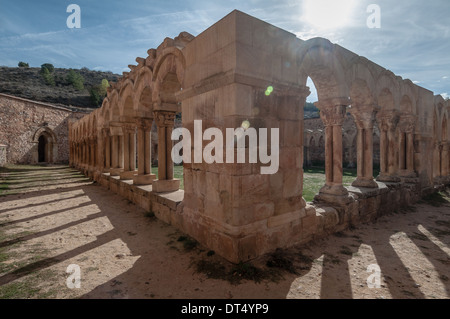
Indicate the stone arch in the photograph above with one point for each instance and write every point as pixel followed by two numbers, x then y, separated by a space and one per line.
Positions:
pixel 170 57
pixel 126 101
pixel 46 149
pixel 317 60
pixel 387 91
pixel 168 77
pixel 444 128
pixel 406 105
pixel 409 90
pixel 114 106
pixel 143 92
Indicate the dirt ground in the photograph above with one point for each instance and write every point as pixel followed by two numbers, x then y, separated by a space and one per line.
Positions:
pixel 52 217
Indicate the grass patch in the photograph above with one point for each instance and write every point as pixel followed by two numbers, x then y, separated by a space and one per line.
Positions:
pixel 177 173
pixel 234 274
pixel 346 251
pixel 279 260
pixel 314 179
pixel 188 242
pixel 436 199
pixel 149 214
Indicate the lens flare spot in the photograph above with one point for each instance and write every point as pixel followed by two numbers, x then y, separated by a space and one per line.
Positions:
pixel 269 90
pixel 245 124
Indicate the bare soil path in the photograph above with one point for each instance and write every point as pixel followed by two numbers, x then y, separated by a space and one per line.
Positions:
pixel 52 217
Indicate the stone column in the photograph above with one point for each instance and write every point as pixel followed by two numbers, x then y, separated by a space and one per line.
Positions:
pixel 364 118
pixel 116 161
pixel 92 153
pixel 444 159
pixel 165 182
pixel 332 114
pixel 406 147
pixel 436 160
pixel 85 154
pixel 144 176
pixel 106 150
pixel 388 121
pixel 129 151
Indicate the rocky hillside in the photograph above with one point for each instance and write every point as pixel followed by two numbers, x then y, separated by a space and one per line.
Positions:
pixel 31 84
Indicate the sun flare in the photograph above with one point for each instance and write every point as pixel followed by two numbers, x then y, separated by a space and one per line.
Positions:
pixel 328 14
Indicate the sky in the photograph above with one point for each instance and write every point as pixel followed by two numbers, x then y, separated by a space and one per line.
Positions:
pixel 413 38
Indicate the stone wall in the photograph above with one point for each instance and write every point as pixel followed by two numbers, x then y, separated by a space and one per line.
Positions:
pixel 315 143
pixel 23 121
pixel 2 155
pixel 244 71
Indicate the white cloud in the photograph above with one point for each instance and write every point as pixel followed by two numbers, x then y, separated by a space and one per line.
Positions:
pixel 445 96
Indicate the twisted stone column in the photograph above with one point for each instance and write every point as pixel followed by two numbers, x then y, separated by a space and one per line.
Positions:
pixel 444 159
pixel 364 118
pixel 333 114
pixel 165 182
pixel 144 176
pixel 116 155
pixel 129 145
pixel 106 150
pixel 406 146
pixel 388 121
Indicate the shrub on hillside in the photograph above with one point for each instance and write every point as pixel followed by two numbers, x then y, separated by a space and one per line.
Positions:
pixel 23 65
pixel 47 66
pixel 48 78
pixel 98 92
pixel 76 79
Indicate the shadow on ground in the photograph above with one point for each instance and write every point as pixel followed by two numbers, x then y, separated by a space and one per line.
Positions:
pixel 410 248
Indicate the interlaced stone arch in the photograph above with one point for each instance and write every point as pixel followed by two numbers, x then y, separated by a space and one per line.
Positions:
pixel 223 76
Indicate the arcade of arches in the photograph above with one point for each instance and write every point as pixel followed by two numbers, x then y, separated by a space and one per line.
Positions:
pixel 221 77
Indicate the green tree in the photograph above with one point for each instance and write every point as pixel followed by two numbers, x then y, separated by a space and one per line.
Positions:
pixel 98 92
pixel 47 66
pixel 76 79
pixel 48 78
pixel 23 65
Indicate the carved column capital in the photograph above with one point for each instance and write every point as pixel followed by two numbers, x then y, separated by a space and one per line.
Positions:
pixel 333 115
pixel 105 132
pixel 164 118
pixel 407 123
pixel 144 123
pixel 387 120
pixel 364 116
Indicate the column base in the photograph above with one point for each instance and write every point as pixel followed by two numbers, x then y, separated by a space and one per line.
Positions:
pixel 166 185
pixel 336 194
pixel 144 179
pixel 106 170
pixel 388 178
pixel 407 173
pixel 127 175
pixel 366 183
pixel 115 171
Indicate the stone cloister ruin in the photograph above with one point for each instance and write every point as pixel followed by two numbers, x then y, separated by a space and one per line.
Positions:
pixel 221 77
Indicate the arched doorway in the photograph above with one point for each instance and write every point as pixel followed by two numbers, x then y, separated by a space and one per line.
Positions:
pixel 42 149
pixel 46 148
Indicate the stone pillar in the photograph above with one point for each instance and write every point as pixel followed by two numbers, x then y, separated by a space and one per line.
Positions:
pixel 436 160
pixel 444 159
pixel 116 161
pixel 92 141
pixel 364 118
pixel 333 114
pixel 144 176
pixel 406 147
pixel 106 149
pixel 388 121
pixel 129 152
pixel 165 182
